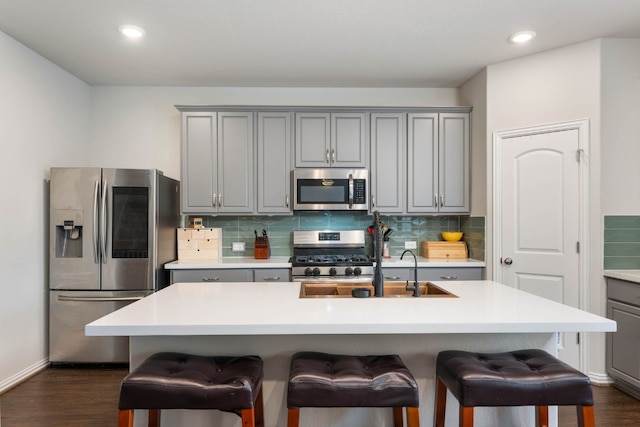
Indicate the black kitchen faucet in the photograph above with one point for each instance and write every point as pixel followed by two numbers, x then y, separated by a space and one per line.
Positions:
pixel 415 288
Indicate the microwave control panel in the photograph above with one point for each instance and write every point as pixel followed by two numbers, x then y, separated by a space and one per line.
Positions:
pixel 359 191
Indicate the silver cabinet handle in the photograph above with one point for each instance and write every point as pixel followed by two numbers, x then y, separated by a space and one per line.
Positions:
pixel 219 200
pixel 267 279
pixel 373 201
pixel 210 279
pixel 327 155
pixel 286 201
pixel 393 277
pixel 333 155
pixel 214 199
pixel 441 200
pixel 435 200
pixel 448 277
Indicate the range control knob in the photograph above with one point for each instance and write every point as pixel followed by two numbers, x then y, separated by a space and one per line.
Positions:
pixel 332 271
pixel 308 271
pixel 348 271
pixel 316 271
pixel 357 271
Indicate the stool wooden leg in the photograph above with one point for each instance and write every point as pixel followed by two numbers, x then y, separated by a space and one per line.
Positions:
pixel 413 416
pixel 466 416
pixel 397 417
pixel 586 416
pixel 293 417
pixel 259 409
pixel 542 416
pixel 441 403
pixel 154 418
pixel 248 417
pixel 125 418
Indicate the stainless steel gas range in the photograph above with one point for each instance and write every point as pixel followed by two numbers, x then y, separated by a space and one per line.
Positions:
pixel 329 256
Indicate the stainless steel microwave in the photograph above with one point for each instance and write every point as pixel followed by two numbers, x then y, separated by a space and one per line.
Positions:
pixel 330 189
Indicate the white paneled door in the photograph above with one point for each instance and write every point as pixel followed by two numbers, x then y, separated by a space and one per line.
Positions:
pixel 539 189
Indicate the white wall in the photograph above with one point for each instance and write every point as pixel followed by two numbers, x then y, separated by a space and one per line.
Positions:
pixel 555 86
pixel 621 127
pixel 44 122
pixel 140 127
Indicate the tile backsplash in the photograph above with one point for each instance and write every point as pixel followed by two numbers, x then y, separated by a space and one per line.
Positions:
pixel 405 228
pixel 621 242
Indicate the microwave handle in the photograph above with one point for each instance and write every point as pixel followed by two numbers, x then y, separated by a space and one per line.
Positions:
pixel 350 191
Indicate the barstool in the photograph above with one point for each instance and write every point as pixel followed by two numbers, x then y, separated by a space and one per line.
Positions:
pixel 322 380
pixel 184 381
pixel 516 378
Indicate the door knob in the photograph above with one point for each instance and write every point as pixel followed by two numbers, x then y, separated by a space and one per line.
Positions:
pixel 508 261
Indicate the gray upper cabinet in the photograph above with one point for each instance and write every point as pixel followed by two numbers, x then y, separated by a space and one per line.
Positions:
pixel 274 162
pixel 438 163
pixel 388 141
pixel 331 140
pixel 217 171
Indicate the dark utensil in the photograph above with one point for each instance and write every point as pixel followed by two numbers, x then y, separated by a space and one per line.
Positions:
pixel 264 233
pixel 387 234
pixel 256 233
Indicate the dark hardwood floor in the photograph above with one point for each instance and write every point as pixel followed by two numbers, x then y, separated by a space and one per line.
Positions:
pixel 88 397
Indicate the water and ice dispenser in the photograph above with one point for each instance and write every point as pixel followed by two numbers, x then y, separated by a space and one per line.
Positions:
pixel 68 235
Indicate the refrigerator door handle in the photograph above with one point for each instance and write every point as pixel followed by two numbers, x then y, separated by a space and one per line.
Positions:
pixel 96 221
pixel 97 299
pixel 103 225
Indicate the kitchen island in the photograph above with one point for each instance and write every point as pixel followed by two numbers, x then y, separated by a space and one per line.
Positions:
pixel 272 321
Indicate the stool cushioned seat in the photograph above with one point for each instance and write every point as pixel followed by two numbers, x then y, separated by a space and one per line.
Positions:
pixel 183 381
pixel 516 378
pixel 326 380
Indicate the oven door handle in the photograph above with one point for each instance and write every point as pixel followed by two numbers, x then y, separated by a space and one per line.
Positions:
pixel 350 191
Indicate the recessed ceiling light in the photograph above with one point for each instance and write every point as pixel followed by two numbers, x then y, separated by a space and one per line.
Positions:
pixel 131 31
pixel 522 36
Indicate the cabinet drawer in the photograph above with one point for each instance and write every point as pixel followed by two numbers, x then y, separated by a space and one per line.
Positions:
pixel 397 273
pixel 622 290
pixel 444 273
pixel 212 275
pixel 271 275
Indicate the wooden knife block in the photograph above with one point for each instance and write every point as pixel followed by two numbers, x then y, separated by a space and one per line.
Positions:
pixel 261 248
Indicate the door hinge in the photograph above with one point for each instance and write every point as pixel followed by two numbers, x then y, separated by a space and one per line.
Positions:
pixel 579 153
pixel 577 247
pixel 578 338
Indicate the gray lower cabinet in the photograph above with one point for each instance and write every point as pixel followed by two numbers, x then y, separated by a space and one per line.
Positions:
pixel 623 355
pixel 271 275
pixel 325 139
pixel 274 162
pixel 214 275
pixel 217 164
pixel 433 273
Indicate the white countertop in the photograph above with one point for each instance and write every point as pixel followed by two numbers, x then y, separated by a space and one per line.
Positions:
pixel 276 309
pixel 630 275
pixel 283 262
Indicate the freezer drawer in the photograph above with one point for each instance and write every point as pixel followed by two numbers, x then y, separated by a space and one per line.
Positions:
pixel 70 311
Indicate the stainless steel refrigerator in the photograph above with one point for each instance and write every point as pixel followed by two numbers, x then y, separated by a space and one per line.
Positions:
pixel 111 232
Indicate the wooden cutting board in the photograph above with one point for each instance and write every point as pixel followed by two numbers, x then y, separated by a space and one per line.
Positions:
pixel 444 250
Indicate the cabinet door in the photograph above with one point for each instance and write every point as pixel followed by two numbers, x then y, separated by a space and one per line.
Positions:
pixel 235 162
pixel 387 162
pixel 348 140
pixel 623 358
pixel 274 162
pixel 455 273
pixel 313 140
pixel 198 165
pixel 422 163
pixel 453 155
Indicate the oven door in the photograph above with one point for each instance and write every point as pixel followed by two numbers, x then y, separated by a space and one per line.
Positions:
pixel 330 189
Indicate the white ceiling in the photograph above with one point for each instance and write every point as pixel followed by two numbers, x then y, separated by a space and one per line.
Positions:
pixel 324 43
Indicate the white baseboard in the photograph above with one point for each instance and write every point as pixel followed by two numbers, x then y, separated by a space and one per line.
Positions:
pixel 23 375
pixel 600 379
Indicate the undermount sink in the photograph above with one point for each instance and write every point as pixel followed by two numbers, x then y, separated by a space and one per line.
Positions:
pixel 391 289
